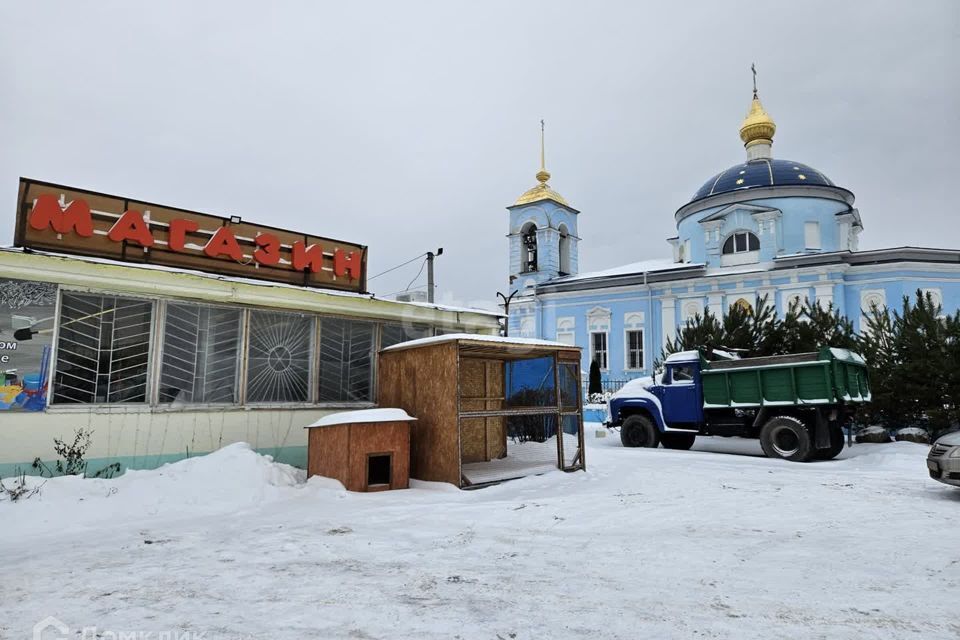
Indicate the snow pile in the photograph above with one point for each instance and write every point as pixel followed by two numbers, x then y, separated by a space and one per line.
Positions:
pixel 873 433
pixel 912 434
pixel 230 479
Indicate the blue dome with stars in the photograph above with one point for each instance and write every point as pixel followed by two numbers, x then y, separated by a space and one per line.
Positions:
pixel 762 172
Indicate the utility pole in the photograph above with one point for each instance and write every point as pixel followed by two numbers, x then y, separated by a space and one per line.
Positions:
pixel 430 256
pixel 506 310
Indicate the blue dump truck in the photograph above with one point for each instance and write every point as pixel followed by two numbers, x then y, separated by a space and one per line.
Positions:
pixel 795 404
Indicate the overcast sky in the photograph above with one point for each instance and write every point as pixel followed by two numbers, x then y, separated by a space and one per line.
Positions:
pixel 409 126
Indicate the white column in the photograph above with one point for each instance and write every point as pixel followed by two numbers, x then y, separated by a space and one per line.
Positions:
pixel 669 318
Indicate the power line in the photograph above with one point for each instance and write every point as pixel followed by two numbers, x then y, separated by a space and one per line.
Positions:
pixel 396 267
pixel 422 286
pixel 418 273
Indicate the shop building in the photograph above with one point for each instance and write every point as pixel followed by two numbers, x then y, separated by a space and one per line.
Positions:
pixel 167 333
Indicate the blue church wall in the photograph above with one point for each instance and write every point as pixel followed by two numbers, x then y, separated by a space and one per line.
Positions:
pixel 789 236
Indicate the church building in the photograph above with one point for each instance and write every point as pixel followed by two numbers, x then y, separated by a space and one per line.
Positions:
pixel 763 227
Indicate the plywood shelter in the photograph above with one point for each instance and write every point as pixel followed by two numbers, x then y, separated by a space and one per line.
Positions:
pixel 488 408
pixel 366 450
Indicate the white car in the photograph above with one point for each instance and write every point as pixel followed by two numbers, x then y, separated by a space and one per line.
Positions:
pixel 943 461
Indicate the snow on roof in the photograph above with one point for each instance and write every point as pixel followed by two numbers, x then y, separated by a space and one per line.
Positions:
pixel 644 266
pixel 474 337
pixel 252 281
pixel 683 356
pixel 363 415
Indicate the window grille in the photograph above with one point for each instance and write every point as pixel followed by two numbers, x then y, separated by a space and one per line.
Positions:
pixel 346 360
pixel 103 349
pixel 391 334
pixel 279 357
pixel 201 349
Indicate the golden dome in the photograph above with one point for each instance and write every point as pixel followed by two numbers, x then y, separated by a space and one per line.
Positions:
pixel 541 192
pixel 758 126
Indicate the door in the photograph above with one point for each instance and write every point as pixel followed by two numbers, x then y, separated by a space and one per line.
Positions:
pixel 681 397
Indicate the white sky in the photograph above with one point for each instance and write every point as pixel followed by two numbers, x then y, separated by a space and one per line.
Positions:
pixel 411 125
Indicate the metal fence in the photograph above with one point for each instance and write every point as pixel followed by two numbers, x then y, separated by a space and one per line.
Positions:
pixel 608 386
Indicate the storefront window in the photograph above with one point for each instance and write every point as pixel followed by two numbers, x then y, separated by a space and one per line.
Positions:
pixel 201 349
pixel 346 360
pixel 391 334
pixel 279 357
pixel 27 311
pixel 103 349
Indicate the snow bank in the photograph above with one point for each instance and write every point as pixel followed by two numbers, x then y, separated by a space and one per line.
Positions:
pixel 228 480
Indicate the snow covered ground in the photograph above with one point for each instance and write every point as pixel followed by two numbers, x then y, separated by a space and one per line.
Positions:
pixel 646 544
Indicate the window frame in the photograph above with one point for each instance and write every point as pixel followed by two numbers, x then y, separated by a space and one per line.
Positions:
pixel 627 350
pixel 747 235
pixel 605 365
pixel 151 370
pixel 241 360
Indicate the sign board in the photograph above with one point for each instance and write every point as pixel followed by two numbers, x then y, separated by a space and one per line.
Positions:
pixel 25 306
pixel 53 217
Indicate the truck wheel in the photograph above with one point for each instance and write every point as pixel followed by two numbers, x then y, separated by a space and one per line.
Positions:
pixel 836 445
pixel 786 437
pixel 673 440
pixel 639 431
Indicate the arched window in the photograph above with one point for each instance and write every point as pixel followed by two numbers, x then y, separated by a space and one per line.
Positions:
pixel 743 304
pixel 741 242
pixel 529 250
pixel 564 250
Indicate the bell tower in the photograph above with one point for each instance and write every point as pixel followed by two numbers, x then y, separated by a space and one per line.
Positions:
pixel 543 233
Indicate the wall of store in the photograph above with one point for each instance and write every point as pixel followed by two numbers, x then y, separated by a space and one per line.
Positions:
pixel 161 365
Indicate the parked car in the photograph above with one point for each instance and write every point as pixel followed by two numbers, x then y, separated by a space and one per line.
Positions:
pixel 795 404
pixel 943 461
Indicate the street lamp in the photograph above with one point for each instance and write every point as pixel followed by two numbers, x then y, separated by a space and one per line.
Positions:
pixel 506 310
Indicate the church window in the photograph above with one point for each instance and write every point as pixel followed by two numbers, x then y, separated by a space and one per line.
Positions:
pixel 744 305
pixel 634 338
pixel 741 242
pixel 564 251
pixel 598 348
pixel 529 250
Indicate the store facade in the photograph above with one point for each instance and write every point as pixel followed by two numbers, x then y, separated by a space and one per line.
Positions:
pixel 106 327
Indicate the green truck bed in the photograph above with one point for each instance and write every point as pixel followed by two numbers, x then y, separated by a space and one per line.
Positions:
pixel 830 376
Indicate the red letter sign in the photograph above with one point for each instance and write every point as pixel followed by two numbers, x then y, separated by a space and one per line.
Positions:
pixel 179 228
pixel 223 242
pixel 307 257
pixel 131 227
pixel 47 213
pixel 348 264
pixel 268 251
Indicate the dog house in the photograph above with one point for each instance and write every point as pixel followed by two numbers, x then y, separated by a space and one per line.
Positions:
pixel 367 450
pixel 488 408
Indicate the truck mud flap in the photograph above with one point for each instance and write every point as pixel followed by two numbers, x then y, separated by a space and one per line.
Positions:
pixel 821 431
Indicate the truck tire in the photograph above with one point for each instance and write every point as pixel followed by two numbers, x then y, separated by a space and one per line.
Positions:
pixel 786 437
pixel 676 440
pixel 836 445
pixel 639 431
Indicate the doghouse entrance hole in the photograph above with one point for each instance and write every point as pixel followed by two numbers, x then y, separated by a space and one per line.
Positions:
pixel 378 469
